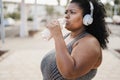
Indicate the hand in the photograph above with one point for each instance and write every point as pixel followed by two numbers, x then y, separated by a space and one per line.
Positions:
pixel 54 28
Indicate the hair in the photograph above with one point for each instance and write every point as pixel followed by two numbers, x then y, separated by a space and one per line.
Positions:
pixel 98 28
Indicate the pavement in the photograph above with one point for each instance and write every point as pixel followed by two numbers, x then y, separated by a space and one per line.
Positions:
pixel 22 61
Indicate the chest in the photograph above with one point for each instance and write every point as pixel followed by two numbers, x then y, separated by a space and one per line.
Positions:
pixel 68 40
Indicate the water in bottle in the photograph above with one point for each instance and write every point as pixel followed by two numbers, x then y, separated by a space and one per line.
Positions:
pixel 46 35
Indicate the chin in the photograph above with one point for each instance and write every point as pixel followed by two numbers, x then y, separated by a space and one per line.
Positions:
pixel 68 29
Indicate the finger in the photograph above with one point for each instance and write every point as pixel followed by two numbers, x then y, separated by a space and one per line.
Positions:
pixel 55 23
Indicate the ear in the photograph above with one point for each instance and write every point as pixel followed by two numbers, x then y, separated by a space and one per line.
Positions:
pixel 87 20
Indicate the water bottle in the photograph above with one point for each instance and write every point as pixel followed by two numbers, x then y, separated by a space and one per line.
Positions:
pixel 46 35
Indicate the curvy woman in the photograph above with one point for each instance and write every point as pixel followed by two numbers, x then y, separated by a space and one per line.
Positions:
pixel 78 54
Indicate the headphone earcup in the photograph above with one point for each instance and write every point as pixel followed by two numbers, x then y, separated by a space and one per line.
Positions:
pixel 87 20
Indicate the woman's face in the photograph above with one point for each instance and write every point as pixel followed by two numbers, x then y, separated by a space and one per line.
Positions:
pixel 74 16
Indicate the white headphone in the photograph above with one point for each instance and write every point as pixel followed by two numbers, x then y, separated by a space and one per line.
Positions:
pixel 88 18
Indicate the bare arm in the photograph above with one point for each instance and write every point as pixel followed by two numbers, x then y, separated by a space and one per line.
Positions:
pixel 65 61
pixel 82 59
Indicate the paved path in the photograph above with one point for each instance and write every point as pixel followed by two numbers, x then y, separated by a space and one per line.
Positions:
pixel 22 62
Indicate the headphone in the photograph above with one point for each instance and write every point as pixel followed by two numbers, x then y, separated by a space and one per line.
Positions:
pixel 88 18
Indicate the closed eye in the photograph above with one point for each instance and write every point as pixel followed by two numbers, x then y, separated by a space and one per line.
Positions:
pixel 70 12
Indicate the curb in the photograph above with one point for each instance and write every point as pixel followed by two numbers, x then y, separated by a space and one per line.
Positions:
pixel 5 55
pixel 114 53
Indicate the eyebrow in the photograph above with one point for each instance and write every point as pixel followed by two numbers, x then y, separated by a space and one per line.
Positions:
pixel 73 9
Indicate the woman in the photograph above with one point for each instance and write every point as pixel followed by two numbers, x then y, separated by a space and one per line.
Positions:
pixel 78 54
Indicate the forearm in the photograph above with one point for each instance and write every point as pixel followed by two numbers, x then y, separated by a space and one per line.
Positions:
pixel 65 62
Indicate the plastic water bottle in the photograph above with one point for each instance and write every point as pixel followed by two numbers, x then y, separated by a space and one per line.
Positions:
pixel 46 35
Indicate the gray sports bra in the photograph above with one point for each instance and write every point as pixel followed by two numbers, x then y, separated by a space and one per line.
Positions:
pixel 49 68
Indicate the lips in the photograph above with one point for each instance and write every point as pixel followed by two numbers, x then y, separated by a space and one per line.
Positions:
pixel 67 22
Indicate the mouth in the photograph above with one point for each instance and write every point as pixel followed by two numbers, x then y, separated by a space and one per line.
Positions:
pixel 67 22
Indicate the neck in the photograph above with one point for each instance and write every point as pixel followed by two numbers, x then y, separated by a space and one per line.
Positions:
pixel 76 33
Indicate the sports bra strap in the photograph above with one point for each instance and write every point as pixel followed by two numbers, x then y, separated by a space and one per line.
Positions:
pixel 69 46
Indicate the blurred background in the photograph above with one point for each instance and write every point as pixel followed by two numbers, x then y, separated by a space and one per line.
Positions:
pixel 31 15
pixel 22 47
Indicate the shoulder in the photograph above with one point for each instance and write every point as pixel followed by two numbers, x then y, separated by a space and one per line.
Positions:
pixel 88 40
pixel 86 52
pixel 88 44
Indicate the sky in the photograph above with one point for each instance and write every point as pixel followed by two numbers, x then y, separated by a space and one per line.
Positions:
pixel 50 2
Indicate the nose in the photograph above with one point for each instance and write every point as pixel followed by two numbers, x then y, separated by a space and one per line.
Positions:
pixel 67 16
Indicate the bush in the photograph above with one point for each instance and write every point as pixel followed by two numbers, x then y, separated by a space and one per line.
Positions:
pixel 14 15
pixel 30 18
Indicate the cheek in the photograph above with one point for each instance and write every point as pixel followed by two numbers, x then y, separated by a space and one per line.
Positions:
pixel 75 24
pixel 78 22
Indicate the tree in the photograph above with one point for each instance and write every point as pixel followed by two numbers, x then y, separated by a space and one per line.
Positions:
pixel 66 3
pixel 49 10
pixel 109 9
pixel 116 2
pixel 116 7
pixel 58 2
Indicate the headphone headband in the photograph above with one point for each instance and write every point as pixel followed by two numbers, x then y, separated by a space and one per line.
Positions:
pixel 88 18
pixel 91 8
